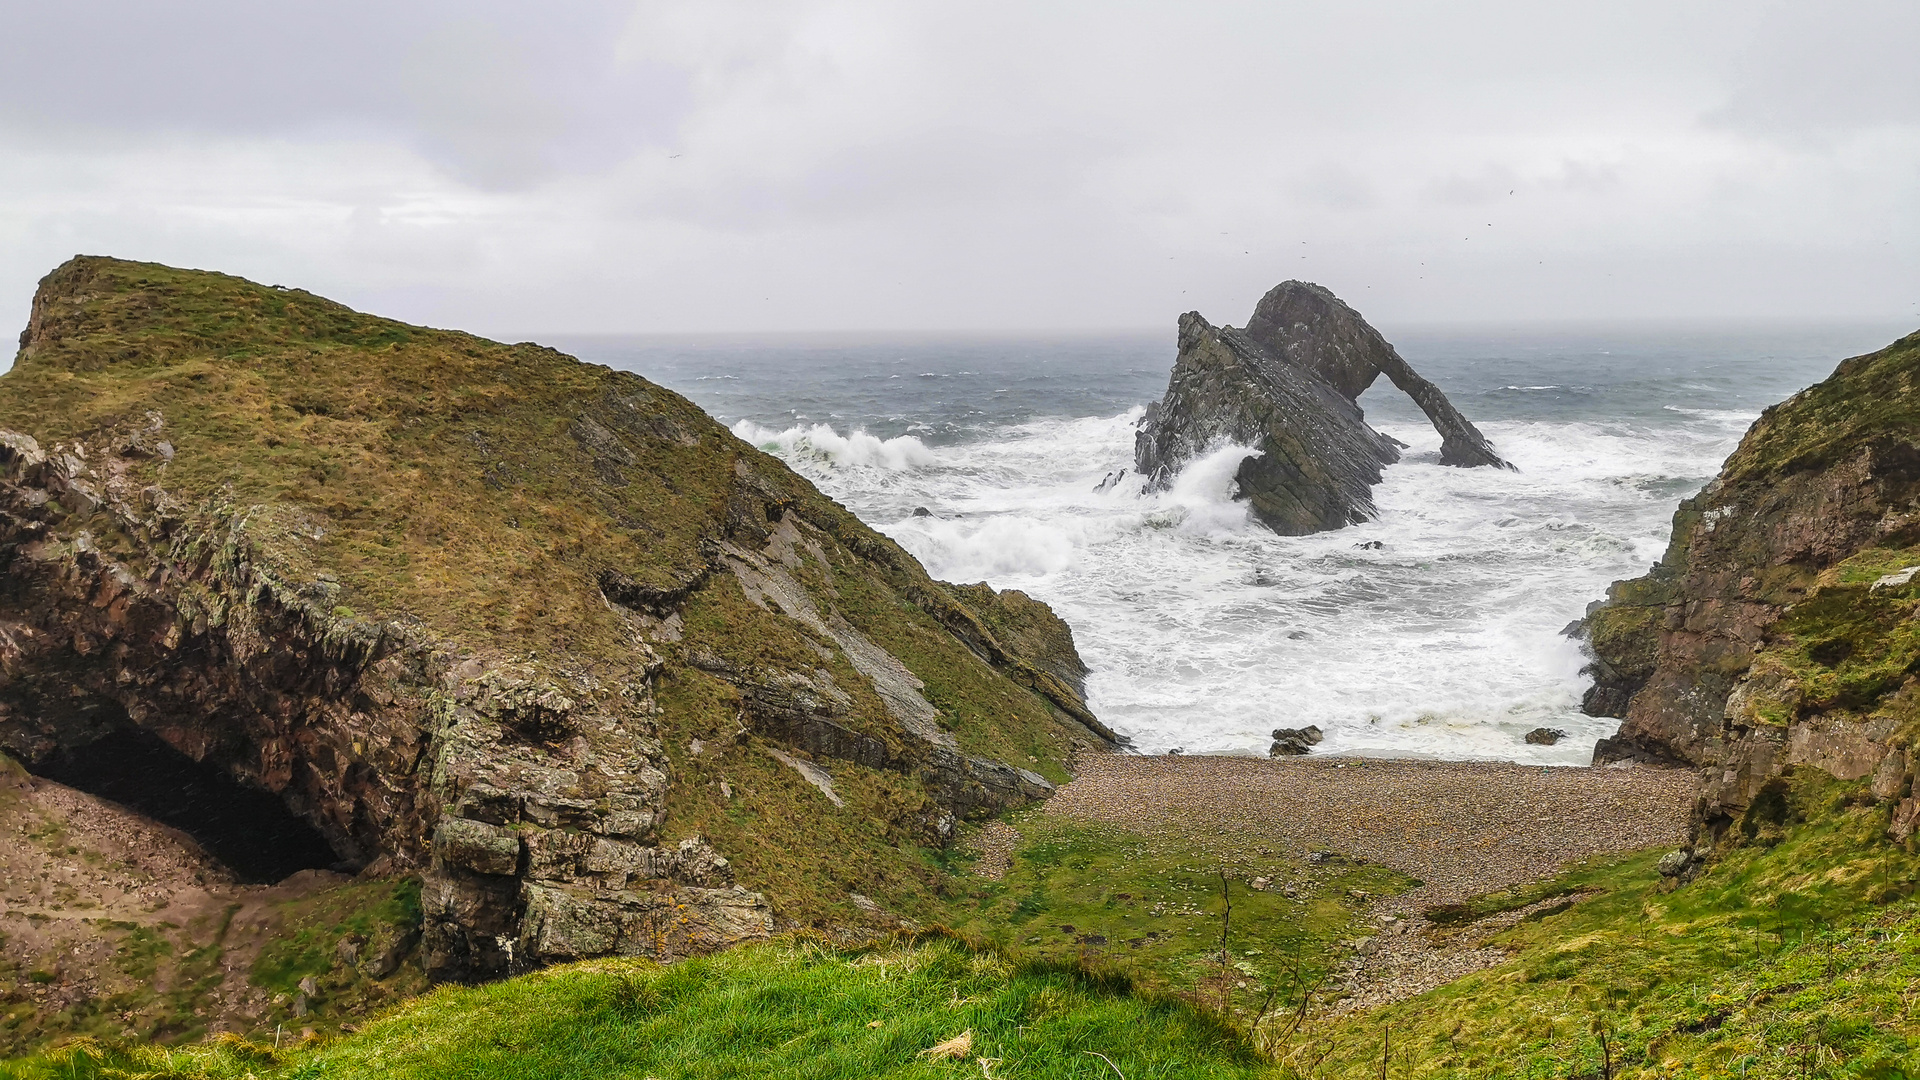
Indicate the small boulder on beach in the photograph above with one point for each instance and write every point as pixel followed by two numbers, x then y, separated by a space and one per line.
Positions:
pixel 1292 742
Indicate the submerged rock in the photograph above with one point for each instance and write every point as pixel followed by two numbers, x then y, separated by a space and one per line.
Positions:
pixel 1545 736
pixel 1286 387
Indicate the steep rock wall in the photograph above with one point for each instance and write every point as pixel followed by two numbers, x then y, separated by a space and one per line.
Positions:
pixel 1287 386
pixel 1777 631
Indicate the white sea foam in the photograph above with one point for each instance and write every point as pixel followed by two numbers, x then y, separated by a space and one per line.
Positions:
pixel 1206 631
pixel 820 443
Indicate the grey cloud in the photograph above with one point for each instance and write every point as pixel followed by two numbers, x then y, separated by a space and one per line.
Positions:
pixel 501 93
pixel 1335 187
pixel 740 165
pixel 1827 69
pixel 1585 176
pixel 1491 183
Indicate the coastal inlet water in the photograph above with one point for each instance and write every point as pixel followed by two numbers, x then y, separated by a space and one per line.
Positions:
pixel 1433 631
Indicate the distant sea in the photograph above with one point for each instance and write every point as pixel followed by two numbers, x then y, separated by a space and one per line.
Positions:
pixel 1204 630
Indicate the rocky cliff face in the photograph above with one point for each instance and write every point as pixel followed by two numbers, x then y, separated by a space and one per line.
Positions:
pixel 1778 630
pixel 1287 386
pixel 1311 328
pixel 1318 459
pixel 610 679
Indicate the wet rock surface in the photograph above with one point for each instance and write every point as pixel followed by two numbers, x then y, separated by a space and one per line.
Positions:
pixel 1309 327
pixel 1292 742
pixel 1286 387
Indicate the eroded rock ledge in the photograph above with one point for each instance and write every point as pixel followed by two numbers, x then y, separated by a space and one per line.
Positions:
pixel 1287 386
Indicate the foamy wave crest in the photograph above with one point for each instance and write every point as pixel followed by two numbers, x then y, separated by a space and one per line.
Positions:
pixel 997 549
pixel 1206 630
pixel 857 449
pixel 1204 493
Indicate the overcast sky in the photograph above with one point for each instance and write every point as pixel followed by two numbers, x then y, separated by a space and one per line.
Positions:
pixel 715 166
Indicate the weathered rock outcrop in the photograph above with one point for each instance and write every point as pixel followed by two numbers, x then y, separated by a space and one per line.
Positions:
pixel 539 631
pixel 1287 386
pixel 1777 629
pixel 1311 328
pixel 1318 460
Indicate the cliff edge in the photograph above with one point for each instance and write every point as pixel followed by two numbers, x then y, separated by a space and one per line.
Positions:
pixel 609 679
pixel 1778 630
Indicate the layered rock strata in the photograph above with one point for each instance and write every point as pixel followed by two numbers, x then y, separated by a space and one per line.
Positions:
pixel 1777 630
pixel 1310 328
pixel 539 631
pixel 1287 387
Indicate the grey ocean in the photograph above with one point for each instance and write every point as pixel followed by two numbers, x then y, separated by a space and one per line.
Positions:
pixel 1204 630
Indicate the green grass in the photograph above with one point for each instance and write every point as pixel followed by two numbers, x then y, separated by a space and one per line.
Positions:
pixel 791 1009
pixel 139 953
pixel 1080 891
pixel 1789 958
pixel 1796 955
pixel 162 982
pixel 312 929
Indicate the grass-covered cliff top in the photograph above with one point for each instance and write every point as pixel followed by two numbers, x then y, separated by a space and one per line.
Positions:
pixel 476 486
pixel 514 505
pixel 1875 397
pixel 498 497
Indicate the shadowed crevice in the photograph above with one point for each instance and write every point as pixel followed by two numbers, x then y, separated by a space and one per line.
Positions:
pixel 249 830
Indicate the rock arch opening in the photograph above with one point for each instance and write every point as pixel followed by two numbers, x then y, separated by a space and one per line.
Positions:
pixel 251 831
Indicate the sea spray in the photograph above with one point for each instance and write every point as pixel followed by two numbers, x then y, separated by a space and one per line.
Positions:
pixel 1433 630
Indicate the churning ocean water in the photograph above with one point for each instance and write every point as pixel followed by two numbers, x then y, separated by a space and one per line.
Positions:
pixel 1433 631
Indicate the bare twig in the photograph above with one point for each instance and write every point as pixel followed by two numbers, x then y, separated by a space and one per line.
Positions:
pixel 1306 998
pixel 1226 922
pixel 1108 1060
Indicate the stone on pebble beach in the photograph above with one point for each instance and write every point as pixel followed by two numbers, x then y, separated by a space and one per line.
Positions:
pixel 1292 742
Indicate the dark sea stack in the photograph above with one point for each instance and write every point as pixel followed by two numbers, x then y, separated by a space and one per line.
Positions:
pixel 1288 385
pixel 1310 328
pixel 1318 459
pixel 541 633
pixel 1772 634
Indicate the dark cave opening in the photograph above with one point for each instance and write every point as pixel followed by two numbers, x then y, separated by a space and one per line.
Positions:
pixel 249 830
